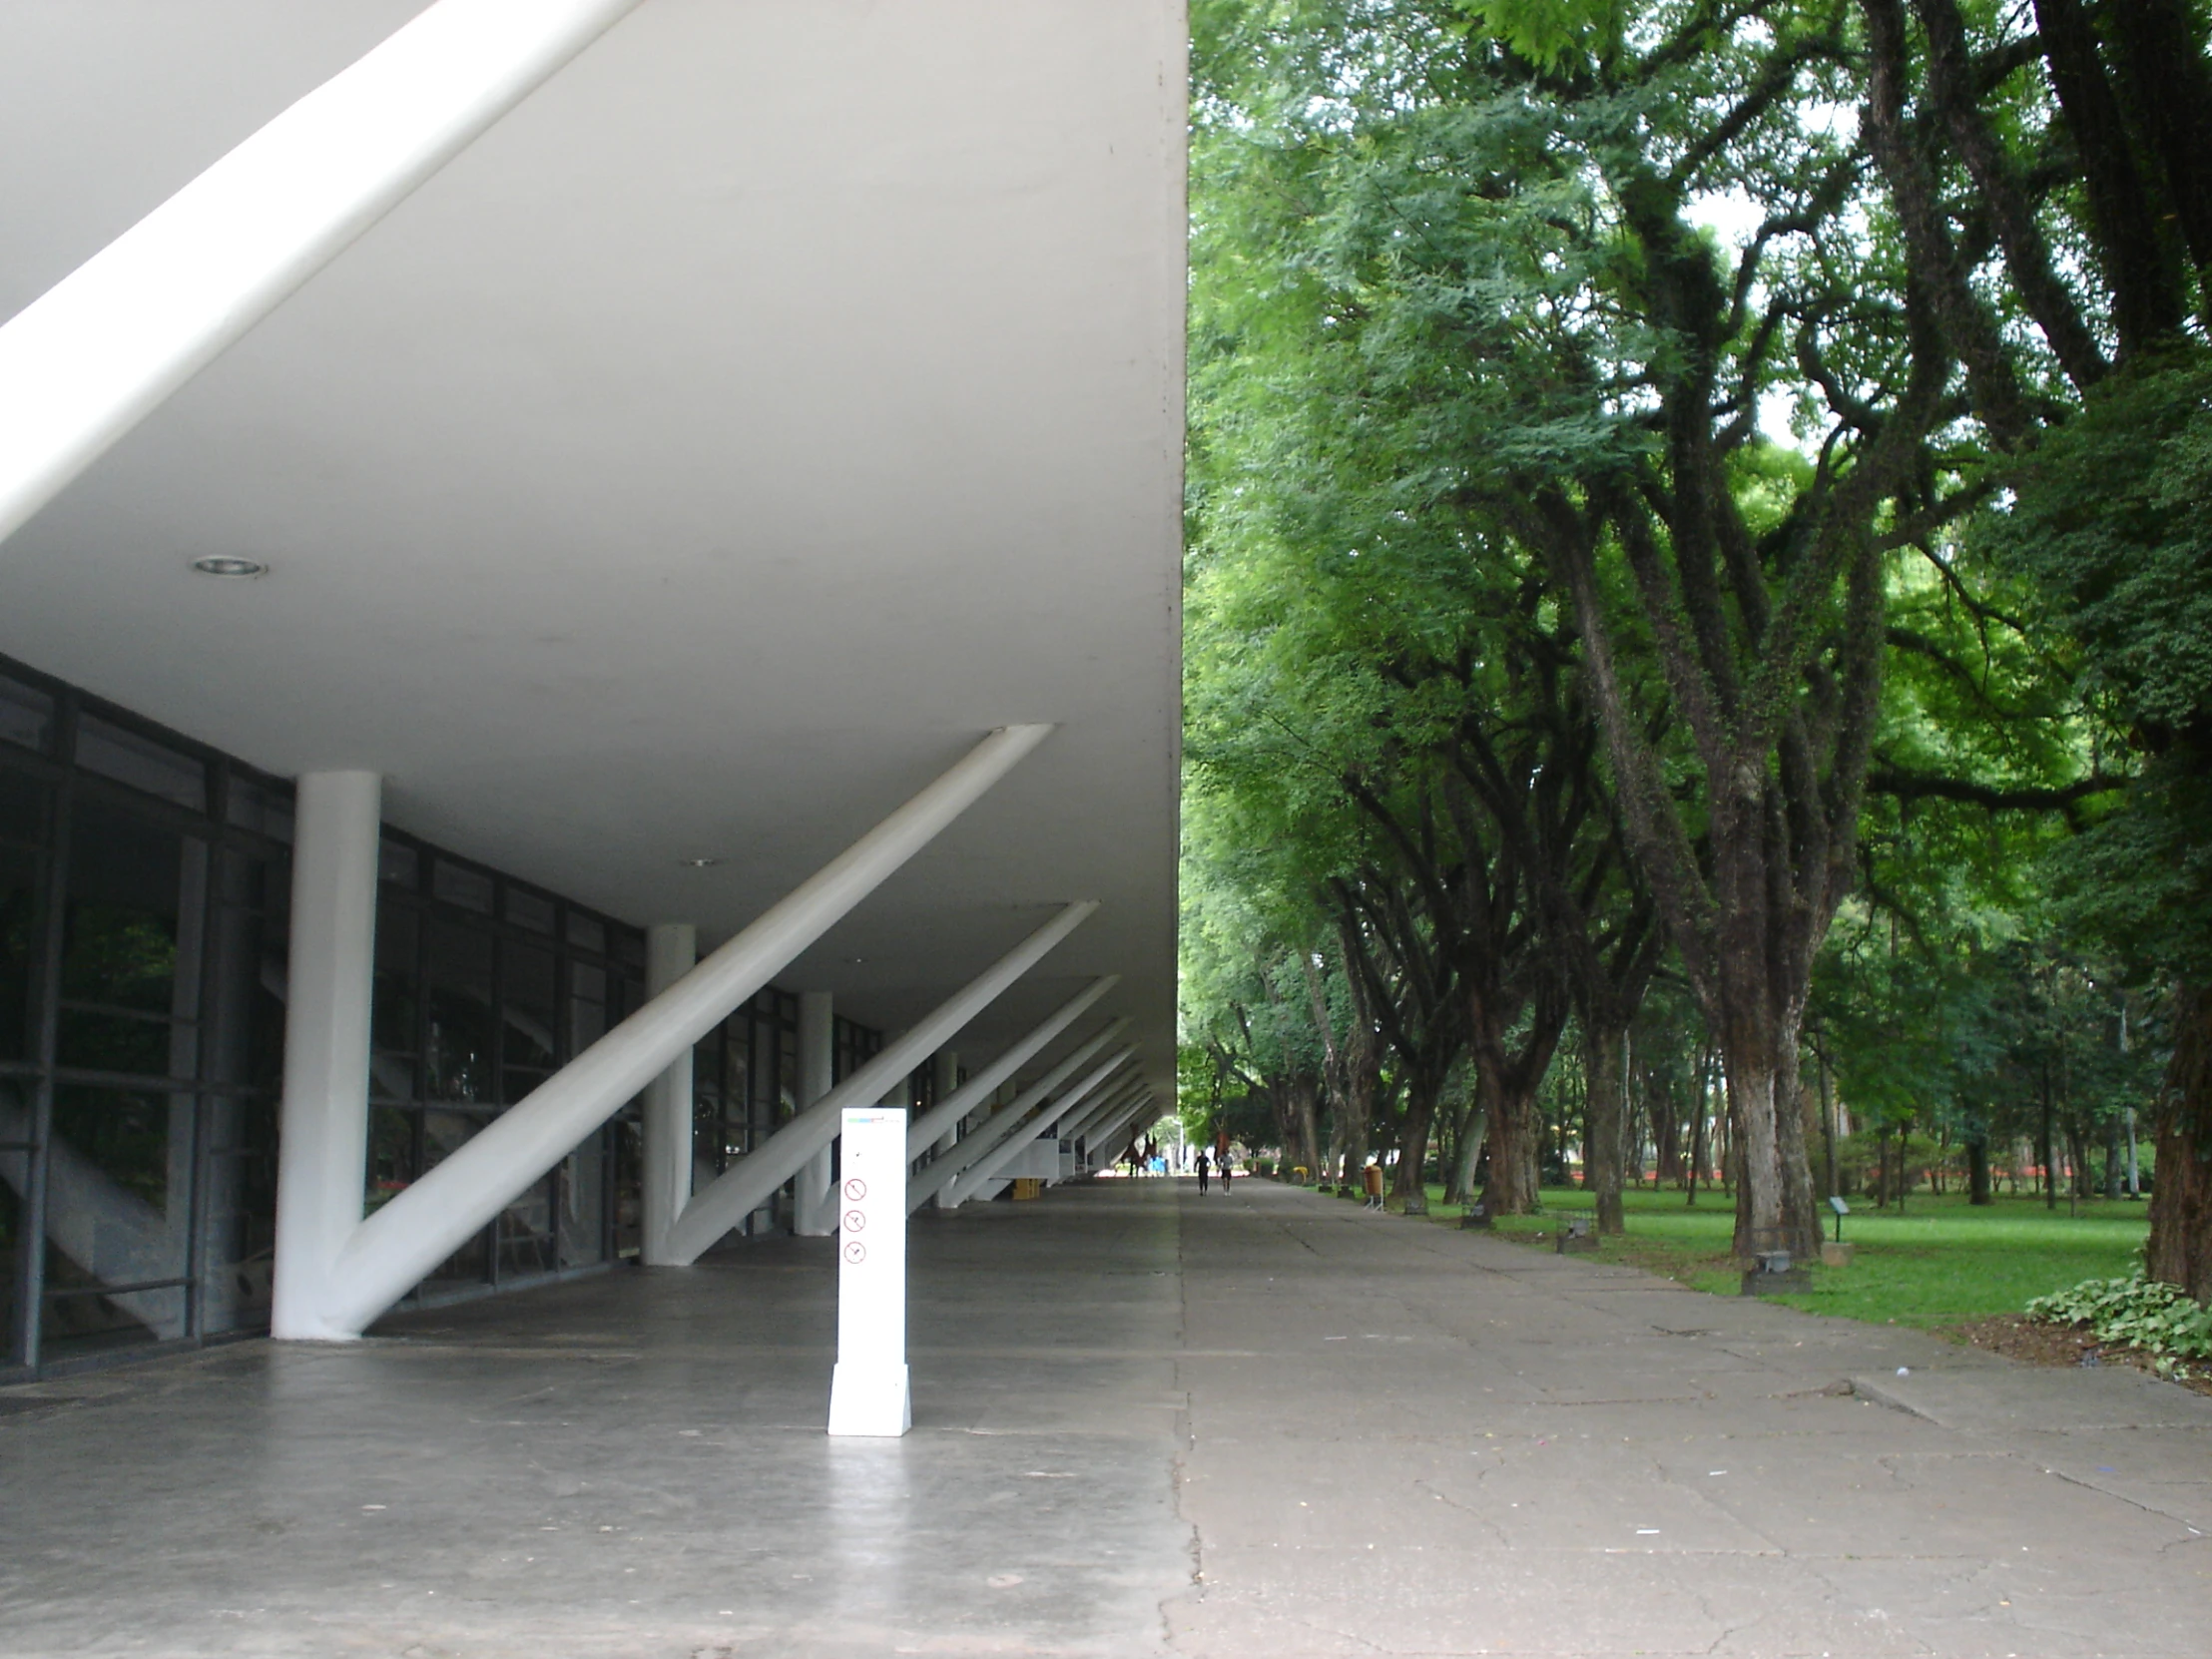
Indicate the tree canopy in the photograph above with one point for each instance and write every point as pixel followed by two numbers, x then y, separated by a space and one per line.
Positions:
pixel 1693 578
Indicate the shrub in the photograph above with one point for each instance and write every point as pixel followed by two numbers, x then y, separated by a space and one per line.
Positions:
pixel 2160 1318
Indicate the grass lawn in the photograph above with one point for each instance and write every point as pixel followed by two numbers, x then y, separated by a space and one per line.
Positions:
pixel 1941 1263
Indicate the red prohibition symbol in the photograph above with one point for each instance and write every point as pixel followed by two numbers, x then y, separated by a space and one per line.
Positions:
pixel 856 1252
pixel 854 1221
pixel 855 1189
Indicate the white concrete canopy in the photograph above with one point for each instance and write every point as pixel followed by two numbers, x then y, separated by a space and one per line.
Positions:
pixel 776 400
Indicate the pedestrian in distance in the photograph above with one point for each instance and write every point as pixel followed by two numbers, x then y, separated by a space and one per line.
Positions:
pixel 1221 1163
pixel 1203 1167
pixel 1370 1179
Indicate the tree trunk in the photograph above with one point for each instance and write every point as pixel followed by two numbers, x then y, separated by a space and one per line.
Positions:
pixel 2180 1250
pixel 1471 1137
pixel 1514 1130
pixel 1420 1111
pixel 1977 1169
pixel 1602 1125
pixel 1775 1208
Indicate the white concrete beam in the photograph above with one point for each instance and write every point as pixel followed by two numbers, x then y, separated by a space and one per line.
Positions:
pixel 391 1251
pixel 100 349
pixel 985 1163
pixel 947 1113
pixel 746 1183
pixel 938 1177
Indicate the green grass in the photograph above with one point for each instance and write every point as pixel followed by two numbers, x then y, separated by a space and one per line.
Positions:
pixel 1941 1263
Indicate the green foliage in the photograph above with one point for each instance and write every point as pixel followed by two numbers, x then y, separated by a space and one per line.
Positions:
pixel 2134 1311
pixel 2109 523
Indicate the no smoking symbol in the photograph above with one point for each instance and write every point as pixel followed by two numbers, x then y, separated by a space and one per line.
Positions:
pixel 855 1189
pixel 854 1221
pixel 856 1252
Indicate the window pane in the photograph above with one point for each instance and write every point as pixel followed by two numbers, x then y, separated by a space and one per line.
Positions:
pixel 118 1174
pixel 26 716
pixel 247 995
pixel 12 1168
pixel 131 945
pixel 396 1005
pixel 239 1202
pixel 21 878
pixel 527 909
pixel 529 1011
pixel 392 1163
pixel 458 1064
pixel 581 1197
pixel 24 803
pixel 707 1103
pixel 265 808
pixel 142 763
pixel 526 1240
pixel 397 865
pixel 586 932
pixel 458 884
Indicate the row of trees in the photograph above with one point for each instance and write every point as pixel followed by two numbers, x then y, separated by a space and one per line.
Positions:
pixel 1694 548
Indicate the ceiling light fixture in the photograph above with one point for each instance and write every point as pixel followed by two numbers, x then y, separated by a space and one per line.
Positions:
pixel 699 864
pixel 220 564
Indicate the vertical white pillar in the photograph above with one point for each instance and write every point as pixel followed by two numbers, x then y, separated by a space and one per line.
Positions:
pixel 868 1391
pixel 322 1158
pixel 814 1208
pixel 670 951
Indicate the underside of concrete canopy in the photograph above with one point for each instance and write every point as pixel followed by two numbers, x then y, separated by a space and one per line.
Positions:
pixel 776 399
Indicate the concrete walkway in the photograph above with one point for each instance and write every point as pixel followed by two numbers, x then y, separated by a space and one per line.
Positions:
pixel 1266 1423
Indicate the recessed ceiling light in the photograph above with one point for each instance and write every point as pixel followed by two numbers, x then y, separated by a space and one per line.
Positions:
pixel 221 564
pixel 699 864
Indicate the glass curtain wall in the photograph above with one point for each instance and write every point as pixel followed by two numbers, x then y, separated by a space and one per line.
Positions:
pixel 143 888
pixel 744 1087
pixel 484 987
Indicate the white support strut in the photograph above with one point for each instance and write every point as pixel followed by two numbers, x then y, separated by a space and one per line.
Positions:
pixel 981 1087
pixel 747 1183
pixel 100 351
pixel 934 1177
pixel 989 1161
pixel 393 1249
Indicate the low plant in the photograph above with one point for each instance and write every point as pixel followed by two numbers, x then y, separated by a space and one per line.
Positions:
pixel 2161 1319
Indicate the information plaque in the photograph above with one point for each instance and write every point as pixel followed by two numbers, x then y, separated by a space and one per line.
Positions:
pixel 868 1391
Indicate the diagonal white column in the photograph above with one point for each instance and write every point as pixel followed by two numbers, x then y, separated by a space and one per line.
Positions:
pixel 931 1179
pixel 396 1246
pixel 97 352
pixel 1089 1123
pixel 980 1088
pixel 987 1163
pixel 748 1181
pixel 1128 1122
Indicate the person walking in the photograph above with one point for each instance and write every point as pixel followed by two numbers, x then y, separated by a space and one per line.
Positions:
pixel 1221 1163
pixel 1203 1167
pixel 1370 1179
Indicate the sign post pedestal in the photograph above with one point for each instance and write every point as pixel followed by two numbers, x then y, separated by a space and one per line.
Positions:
pixel 868 1391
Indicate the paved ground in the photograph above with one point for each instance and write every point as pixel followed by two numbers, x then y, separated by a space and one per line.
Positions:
pixel 1145 1423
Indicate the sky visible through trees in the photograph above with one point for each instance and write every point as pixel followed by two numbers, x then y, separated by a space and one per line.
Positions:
pixel 1699 599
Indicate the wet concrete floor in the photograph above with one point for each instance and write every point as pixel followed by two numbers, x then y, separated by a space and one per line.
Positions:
pixel 1264 1423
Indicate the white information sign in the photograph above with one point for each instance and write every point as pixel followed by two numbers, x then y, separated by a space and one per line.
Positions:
pixel 868 1391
